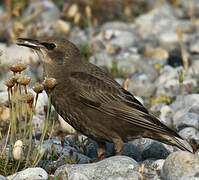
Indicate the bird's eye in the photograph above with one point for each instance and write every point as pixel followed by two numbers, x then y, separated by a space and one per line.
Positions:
pixel 49 46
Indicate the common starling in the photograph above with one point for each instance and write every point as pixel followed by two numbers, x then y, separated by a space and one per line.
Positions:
pixel 91 101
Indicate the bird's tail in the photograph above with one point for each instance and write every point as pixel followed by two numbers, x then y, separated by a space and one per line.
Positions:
pixel 180 143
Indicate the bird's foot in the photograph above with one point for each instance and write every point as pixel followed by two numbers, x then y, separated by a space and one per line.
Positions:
pixel 119 145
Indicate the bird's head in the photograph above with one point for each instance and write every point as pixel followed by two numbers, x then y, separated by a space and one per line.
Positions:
pixel 55 51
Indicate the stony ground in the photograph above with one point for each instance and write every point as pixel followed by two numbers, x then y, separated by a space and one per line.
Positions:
pixel 155 56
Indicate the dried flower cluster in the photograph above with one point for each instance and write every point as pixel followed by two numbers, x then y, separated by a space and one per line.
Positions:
pixel 22 103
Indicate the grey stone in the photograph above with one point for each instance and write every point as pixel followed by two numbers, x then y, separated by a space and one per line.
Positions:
pixel 158 164
pixel 187 120
pixel 180 164
pixel 48 14
pixel 136 84
pixel 156 20
pixel 68 152
pixel 3 177
pixel 185 102
pixel 166 115
pixel 117 167
pixel 186 7
pixel 119 33
pixel 190 134
pixel 155 150
pixel 30 174
pixel 13 54
pixel 194 46
pixel 142 143
pixel 147 170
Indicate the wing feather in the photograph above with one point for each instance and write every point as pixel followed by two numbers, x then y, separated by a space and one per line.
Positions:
pixel 112 99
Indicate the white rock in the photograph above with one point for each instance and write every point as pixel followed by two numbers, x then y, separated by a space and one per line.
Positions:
pixel 12 54
pixel 180 164
pixel 117 167
pixel 30 174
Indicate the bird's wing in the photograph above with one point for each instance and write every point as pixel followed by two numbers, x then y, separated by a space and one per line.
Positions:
pixel 111 99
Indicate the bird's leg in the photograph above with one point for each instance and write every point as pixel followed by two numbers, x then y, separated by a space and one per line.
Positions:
pixel 101 151
pixel 119 144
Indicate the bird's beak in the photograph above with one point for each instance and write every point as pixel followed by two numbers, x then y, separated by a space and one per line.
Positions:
pixel 30 43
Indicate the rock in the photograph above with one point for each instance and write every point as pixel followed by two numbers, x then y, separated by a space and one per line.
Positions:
pixel 166 115
pixel 147 170
pixel 156 20
pixel 183 108
pixel 102 59
pixel 132 151
pixel 142 143
pixel 187 120
pixel 30 174
pixel 117 167
pixel 185 102
pixel 168 82
pixel 47 12
pixel 195 67
pixel 3 177
pixel 155 151
pixel 190 134
pixel 12 54
pixel 194 44
pixel 158 164
pixel 78 36
pixel 187 5
pixel 180 164
pixel 136 84
pixel 62 27
pixel 67 151
pixel 156 53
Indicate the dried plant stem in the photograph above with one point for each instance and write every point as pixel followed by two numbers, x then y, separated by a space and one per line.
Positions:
pixel 36 99
pixel 183 50
pixel 18 164
pixel 30 137
pixel 44 130
pixel 26 121
pixel 7 138
pixel 25 88
pixel 51 132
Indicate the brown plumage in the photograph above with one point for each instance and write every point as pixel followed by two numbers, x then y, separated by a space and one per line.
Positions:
pixel 92 102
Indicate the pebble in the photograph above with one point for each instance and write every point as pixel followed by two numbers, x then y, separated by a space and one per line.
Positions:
pixel 155 150
pixel 179 165
pixel 30 174
pixel 3 177
pixel 117 167
pixel 190 134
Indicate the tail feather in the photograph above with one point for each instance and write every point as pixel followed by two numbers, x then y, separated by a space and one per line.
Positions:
pixel 178 142
pixel 182 144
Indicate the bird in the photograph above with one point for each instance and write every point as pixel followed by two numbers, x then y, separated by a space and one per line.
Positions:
pixel 92 102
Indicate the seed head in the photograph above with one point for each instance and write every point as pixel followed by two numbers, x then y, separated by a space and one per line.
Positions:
pixel 10 83
pixel 15 78
pixel 49 84
pixel 38 88
pixel 18 68
pixel 23 80
pixel 28 98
